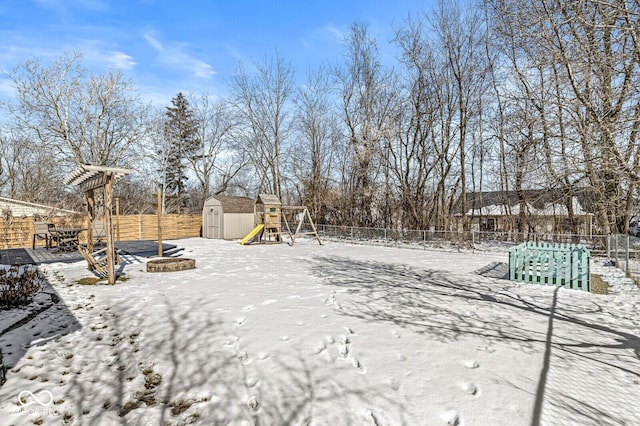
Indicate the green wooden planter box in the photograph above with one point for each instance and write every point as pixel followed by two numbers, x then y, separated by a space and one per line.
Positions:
pixel 565 265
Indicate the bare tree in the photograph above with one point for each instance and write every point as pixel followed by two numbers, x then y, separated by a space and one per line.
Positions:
pixel 460 34
pixel 590 48
pixel 82 118
pixel 156 150
pixel 366 91
pixel 29 173
pixel 215 164
pixel 415 156
pixel 262 103
pixel 314 152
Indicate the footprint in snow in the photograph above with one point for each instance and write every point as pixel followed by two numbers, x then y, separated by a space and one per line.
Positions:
pixel 248 308
pixel 331 300
pixel 263 355
pixel 488 348
pixel 319 348
pixel 358 366
pixel 343 348
pixel 243 357
pixel 370 418
pixel 451 417
pixel 469 388
pixel 240 321
pixel 471 364
pixel 231 340
pixel 251 381
pixel 285 338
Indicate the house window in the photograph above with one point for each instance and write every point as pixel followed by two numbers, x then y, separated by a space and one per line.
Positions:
pixel 487 224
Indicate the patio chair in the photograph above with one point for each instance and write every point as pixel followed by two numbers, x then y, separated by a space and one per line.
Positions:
pixel 41 232
pixel 64 241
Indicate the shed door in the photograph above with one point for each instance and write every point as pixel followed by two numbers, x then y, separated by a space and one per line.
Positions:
pixel 213 223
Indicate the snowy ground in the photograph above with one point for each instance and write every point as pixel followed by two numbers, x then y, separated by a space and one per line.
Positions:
pixel 334 334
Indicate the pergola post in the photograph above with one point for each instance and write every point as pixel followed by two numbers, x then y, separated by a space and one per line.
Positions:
pixel 108 193
pixel 90 178
pixel 90 217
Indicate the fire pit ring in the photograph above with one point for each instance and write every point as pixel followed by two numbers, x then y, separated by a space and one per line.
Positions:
pixel 170 264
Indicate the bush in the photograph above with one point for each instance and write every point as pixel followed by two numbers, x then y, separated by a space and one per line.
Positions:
pixel 18 285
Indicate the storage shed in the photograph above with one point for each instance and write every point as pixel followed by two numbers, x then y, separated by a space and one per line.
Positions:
pixel 227 217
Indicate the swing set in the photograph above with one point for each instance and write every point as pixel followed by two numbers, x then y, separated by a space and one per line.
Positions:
pixel 272 219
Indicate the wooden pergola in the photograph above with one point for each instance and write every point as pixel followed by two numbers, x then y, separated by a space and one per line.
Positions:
pixel 92 178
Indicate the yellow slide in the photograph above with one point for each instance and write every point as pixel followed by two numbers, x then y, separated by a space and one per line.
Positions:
pixel 252 234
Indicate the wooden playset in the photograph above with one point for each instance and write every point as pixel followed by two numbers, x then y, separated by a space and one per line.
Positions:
pixel 272 220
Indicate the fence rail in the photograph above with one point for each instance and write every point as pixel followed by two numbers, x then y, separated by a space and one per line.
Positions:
pixel 18 232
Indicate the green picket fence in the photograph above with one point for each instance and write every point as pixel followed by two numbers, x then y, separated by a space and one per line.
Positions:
pixel 565 265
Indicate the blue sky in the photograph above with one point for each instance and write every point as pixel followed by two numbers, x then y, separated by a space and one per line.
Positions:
pixel 167 46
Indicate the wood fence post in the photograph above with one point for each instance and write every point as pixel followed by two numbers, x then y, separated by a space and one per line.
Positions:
pixel 159 224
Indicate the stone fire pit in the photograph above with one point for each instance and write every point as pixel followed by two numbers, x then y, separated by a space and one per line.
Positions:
pixel 170 264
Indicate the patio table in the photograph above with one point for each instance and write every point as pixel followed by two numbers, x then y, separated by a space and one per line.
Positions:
pixel 68 238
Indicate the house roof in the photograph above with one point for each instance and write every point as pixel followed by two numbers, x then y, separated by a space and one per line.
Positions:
pixel 268 199
pixel 234 204
pixel 537 202
pixel 21 208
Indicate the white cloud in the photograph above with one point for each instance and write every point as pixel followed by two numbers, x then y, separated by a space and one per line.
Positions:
pixel 202 69
pixel 114 59
pixel 153 42
pixel 121 60
pixel 336 32
pixel 235 53
pixel 177 55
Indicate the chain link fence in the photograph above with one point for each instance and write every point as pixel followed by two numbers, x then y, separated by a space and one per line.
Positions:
pixel 624 251
pixel 597 244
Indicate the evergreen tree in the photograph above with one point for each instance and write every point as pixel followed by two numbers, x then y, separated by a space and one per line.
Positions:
pixel 181 134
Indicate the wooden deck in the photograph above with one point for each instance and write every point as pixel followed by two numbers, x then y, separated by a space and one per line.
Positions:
pixel 41 255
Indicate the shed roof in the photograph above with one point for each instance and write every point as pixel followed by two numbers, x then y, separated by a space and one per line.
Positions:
pixel 234 204
pixel 268 199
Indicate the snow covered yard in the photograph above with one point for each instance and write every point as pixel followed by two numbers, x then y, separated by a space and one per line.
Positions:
pixel 334 334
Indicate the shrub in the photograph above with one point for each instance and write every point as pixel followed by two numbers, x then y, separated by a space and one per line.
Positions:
pixel 18 285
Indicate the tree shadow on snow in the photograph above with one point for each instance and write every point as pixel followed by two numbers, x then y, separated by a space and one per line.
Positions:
pixel 46 318
pixel 447 308
pixel 185 365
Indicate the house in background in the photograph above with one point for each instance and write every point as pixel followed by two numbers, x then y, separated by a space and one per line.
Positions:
pixel 15 208
pixel 545 212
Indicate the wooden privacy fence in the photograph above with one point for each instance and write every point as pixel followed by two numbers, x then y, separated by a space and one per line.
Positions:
pixel 18 232
pixel 552 264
